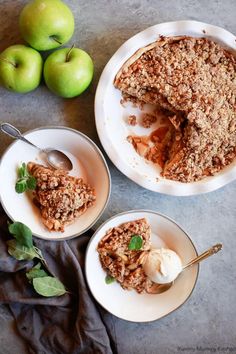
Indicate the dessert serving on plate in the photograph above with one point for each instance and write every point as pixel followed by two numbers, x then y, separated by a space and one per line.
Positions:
pixel 60 205
pixel 129 263
pixel 126 254
pixel 60 197
pixel 193 82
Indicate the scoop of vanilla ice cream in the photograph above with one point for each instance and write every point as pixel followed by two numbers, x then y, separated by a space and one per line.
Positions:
pixel 162 265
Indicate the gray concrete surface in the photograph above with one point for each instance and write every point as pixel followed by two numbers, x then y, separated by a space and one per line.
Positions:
pixel 207 322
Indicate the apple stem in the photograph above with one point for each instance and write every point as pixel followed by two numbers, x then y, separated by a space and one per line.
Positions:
pixel 9 62
pixel 68 54
pixel 56 40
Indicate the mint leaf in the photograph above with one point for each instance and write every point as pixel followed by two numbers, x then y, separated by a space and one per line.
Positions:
pixel 21 186
pixel 36 272
pixel 31 183
pixel 22 233
pixel 20 252
pixel 48 286
pixel 135 243
pixel 109 279
pixel 22 171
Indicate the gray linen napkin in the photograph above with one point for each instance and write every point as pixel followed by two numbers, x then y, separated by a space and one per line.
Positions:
pixel 67 324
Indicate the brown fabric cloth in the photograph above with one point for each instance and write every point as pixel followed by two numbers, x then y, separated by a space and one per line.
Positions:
pixel 71 323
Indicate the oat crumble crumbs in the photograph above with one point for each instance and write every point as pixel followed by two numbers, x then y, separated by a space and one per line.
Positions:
pixel 148 120
pixel 132 120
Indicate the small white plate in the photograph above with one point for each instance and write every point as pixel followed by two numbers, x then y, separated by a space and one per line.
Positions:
pixel 129 305
pixel 88 163
pixel 111 116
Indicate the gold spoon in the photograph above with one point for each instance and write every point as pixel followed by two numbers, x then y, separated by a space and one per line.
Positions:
pixel 55 158
pixel 161 288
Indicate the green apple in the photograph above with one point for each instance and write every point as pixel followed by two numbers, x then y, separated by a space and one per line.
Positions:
pixel 20 68
pixel 46 24
pixel 68 72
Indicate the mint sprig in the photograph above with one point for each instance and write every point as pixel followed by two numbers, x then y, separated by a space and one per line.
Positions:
pixel 109 279
pixel 135 243
pixel 23 249
pixel 25 180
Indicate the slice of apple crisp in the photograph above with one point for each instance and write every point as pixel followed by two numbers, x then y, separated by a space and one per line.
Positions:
pixel 60 197
pixel 122 263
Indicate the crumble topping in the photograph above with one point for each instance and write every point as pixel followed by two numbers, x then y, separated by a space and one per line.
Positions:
pixel 60 197
pixel 129 98
pixel 194 80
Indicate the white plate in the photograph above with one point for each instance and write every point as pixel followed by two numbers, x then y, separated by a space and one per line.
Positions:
pixel 110 115
pixel 129 305
pixel 88 162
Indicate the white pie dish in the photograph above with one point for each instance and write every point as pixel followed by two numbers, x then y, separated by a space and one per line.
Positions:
pixel 110 114
pixel 86 158
pixel 129 305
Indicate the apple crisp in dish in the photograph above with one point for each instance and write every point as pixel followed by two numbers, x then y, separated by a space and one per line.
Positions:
pixel 193 82
pixel 121 262
pixel 60 197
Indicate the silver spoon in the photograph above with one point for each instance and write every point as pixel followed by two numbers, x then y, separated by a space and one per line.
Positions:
pixel 161 288
pixel 55 158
